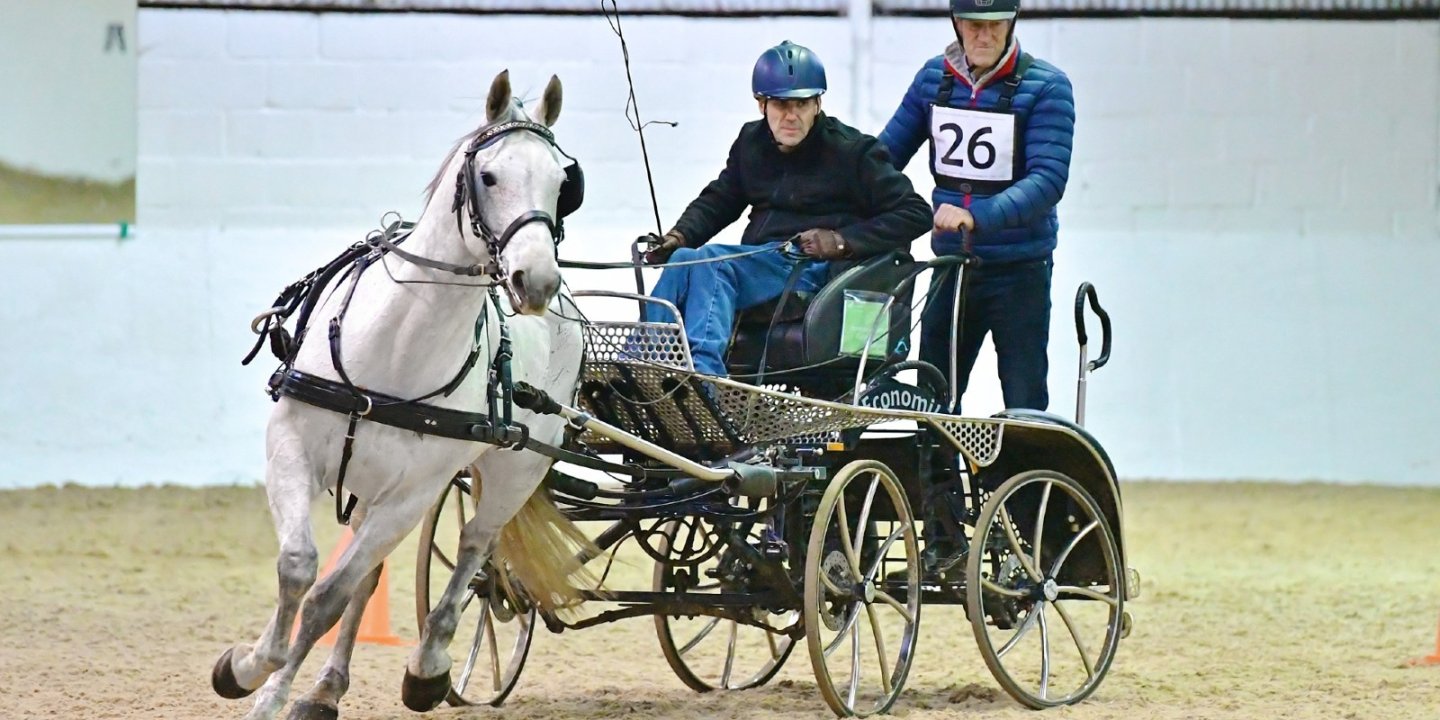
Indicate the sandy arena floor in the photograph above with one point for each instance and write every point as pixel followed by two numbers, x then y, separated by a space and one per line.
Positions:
pixel 1260 601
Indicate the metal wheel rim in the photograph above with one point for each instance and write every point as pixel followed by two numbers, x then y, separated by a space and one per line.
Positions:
pixel 1047 618
pixel 892 665
pixel 780 646
pixel 485 650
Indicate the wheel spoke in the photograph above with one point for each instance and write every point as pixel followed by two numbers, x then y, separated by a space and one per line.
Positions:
pixel 843 521
pixel 850 617
pixel 830 585
pixel 1044 652
pixel 854 665
pixel 459 511
pixel 1079 642
pixel 1019 635
pixel 495 680
pixel 1040 520
pixel 1014 539
pixel 884 549
pixel 888 599
pixel 729 655
pixel 464 680
pixel 1087 592
pixel 1070 546
pixel 990 586
pixel 864 518
pixel 879 648
pixel 705 631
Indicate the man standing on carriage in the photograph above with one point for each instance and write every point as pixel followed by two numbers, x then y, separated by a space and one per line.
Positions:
pixel 1000 124
pixel 802 173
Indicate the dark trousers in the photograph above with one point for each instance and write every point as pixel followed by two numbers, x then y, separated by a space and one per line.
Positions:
pixel 1012 303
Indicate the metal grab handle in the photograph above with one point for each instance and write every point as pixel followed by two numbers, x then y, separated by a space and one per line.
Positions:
pixel 637 258
pixel 1088 290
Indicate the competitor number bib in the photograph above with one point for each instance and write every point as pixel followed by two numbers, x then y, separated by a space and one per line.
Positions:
pixel 973 144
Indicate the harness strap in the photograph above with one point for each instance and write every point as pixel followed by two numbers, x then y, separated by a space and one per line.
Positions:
pixel 396 412
pixel 342 515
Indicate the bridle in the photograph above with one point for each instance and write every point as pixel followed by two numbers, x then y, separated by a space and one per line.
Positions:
pixel 467 196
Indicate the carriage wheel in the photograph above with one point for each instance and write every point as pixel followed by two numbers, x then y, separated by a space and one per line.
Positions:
pixel 492 638
pixel 862 590
pixel 711 653
pixel 1045 594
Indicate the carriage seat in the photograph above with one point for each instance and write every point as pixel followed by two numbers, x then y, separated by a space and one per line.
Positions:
pixel 809 330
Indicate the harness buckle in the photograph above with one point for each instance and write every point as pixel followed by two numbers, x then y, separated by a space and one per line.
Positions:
pixel 369 405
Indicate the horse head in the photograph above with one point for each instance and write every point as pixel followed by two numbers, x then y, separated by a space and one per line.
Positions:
pixel 516 184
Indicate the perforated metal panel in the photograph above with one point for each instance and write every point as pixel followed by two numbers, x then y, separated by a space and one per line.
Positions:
pixel 655 343
pixel 633 380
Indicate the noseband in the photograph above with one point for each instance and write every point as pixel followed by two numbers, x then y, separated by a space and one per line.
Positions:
pixel 468 196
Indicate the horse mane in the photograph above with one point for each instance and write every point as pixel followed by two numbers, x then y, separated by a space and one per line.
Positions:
pixel 516 113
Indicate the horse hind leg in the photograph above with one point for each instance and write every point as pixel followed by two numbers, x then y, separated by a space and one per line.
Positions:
pixel 243 668
pixel 322 702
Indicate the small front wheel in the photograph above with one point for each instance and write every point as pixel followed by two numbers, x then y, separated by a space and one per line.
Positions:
pixel 711 653
pixel 862 590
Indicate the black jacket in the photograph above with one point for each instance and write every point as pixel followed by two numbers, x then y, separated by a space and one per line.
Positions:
pixel 838 178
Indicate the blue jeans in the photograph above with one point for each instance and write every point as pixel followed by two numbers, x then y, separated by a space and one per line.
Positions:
pixel 710 294
pixel 1010 302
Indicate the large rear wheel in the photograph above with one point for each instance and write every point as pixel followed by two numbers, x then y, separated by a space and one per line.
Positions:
pixel 862 590
pixel 492 638
pixel 1045 591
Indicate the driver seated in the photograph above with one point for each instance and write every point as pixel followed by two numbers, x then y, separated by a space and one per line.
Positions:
pixel 803 174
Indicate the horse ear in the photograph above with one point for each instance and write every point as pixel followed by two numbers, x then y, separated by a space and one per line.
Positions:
pixel 498 102
pixel 549 110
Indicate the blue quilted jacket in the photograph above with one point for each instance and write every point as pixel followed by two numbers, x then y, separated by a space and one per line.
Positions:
pixel 1019 223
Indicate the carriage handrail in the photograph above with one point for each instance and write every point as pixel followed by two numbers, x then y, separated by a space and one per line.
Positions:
pixel 638 297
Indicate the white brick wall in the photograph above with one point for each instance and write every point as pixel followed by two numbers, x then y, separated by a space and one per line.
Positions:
pixel 1256 201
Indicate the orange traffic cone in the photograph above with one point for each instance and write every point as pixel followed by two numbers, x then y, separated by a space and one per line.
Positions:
pixel 1432 659
pixel 375 623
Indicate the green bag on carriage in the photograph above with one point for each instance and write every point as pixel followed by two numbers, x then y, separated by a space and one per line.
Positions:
pixel 864 314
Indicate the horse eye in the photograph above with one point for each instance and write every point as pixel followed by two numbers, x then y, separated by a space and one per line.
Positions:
pixel 488 179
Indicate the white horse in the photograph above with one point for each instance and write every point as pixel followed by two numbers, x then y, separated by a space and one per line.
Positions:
pixel 407 329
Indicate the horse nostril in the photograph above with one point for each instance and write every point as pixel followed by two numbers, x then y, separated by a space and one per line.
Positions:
pixel 517 283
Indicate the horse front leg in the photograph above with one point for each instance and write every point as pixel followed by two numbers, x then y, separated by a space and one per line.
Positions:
pixel 513 476
pixel 329 597
pixel 322 702
pixel 427 673
pixel 243 668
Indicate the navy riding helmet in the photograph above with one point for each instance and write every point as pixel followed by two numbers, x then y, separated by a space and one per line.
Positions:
pixel 788 71
pixel 984 9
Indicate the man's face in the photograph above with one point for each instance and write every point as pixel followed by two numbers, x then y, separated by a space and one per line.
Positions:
pixel 790 119
pixel 984 40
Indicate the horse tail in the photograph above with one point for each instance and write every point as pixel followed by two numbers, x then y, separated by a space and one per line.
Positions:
pixel 540 549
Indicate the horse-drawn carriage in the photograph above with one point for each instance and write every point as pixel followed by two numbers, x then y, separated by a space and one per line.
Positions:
pixel 785 511
pixel 777 505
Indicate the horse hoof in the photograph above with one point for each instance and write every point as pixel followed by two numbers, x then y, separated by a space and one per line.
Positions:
pixel 313 711
pixel 222 678
pixel 424 695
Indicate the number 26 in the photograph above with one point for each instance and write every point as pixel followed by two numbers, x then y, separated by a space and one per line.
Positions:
pixel 971 149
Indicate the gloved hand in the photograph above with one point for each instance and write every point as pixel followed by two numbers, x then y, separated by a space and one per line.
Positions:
pixel 661 248
pixel 822 243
